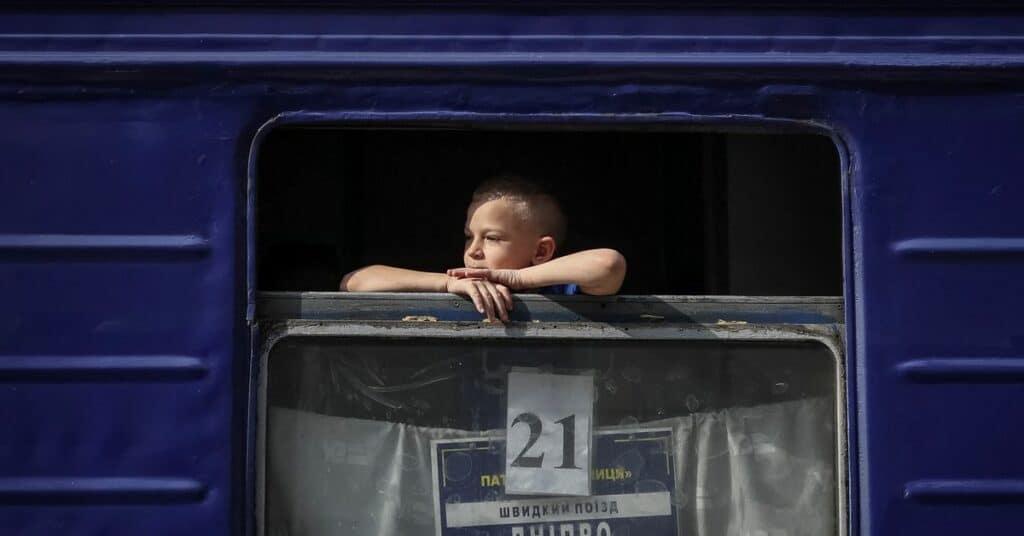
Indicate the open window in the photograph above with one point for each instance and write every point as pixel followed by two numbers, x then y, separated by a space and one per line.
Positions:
pixel 693 213
pixel 386 414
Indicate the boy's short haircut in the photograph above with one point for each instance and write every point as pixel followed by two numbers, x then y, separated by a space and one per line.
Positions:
pixel 536 204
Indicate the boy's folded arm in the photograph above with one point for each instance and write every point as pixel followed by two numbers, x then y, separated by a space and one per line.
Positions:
pixel 598 272
pixel 492 300
pixel 380 278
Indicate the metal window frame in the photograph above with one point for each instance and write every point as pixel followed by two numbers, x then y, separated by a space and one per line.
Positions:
pixel 640 318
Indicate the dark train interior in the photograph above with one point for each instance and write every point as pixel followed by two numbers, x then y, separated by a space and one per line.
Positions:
pixel 693 212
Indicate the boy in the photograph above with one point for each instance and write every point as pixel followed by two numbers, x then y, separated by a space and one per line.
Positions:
pixel 513 230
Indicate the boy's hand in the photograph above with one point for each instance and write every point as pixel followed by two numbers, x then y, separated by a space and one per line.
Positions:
pixel 509 278
pixel 492 299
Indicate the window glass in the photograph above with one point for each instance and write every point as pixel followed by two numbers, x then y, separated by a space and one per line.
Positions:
pixel 369 436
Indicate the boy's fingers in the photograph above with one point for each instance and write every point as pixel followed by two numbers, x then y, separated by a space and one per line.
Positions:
pixel 474 295
pixel 499 301
pixel 507 294
pixel 469 272
pixel 487 300
pixel 499 309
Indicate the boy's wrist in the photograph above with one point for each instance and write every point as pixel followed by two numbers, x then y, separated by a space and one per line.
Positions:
pixel 526 279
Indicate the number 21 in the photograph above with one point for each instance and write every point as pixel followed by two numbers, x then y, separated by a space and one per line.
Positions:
pixel 568 441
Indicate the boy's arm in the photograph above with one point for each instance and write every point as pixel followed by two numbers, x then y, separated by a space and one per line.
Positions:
pixel 598 272
pixel 491 299
pixel 380 278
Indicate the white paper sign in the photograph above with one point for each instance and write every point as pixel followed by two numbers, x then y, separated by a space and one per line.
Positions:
pixel 550 419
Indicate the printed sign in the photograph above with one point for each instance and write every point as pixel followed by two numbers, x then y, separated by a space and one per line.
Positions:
pixel 633 481
pixel 549 433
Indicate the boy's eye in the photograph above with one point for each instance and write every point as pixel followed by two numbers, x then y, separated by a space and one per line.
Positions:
pixel 491 238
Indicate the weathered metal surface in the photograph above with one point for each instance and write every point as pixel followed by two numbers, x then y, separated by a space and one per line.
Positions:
pixel 537 308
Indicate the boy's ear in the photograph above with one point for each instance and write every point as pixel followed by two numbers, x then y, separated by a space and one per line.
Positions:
pixel 545 250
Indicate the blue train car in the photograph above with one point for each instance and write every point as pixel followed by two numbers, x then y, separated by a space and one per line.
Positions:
pixel 819 333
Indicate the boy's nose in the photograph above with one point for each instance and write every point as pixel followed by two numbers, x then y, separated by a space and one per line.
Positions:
pixel 474 250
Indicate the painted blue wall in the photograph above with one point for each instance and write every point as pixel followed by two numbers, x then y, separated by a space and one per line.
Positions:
pixel 124 358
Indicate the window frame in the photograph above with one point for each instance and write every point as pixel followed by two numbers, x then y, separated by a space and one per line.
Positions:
pixel 639 318
pixel 669 121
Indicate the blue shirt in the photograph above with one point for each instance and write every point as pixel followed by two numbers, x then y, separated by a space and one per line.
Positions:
pixel 567 289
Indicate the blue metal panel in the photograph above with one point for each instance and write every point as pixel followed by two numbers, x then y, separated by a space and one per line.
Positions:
pixel 117 270
pixel 941 273
pixel 123 348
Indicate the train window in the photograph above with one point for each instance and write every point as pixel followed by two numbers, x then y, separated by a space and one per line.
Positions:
pixel 387 414
pixel 693 213
pixel 702 429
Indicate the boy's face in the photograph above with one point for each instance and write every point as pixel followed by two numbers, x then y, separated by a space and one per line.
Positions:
pixel 498 238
